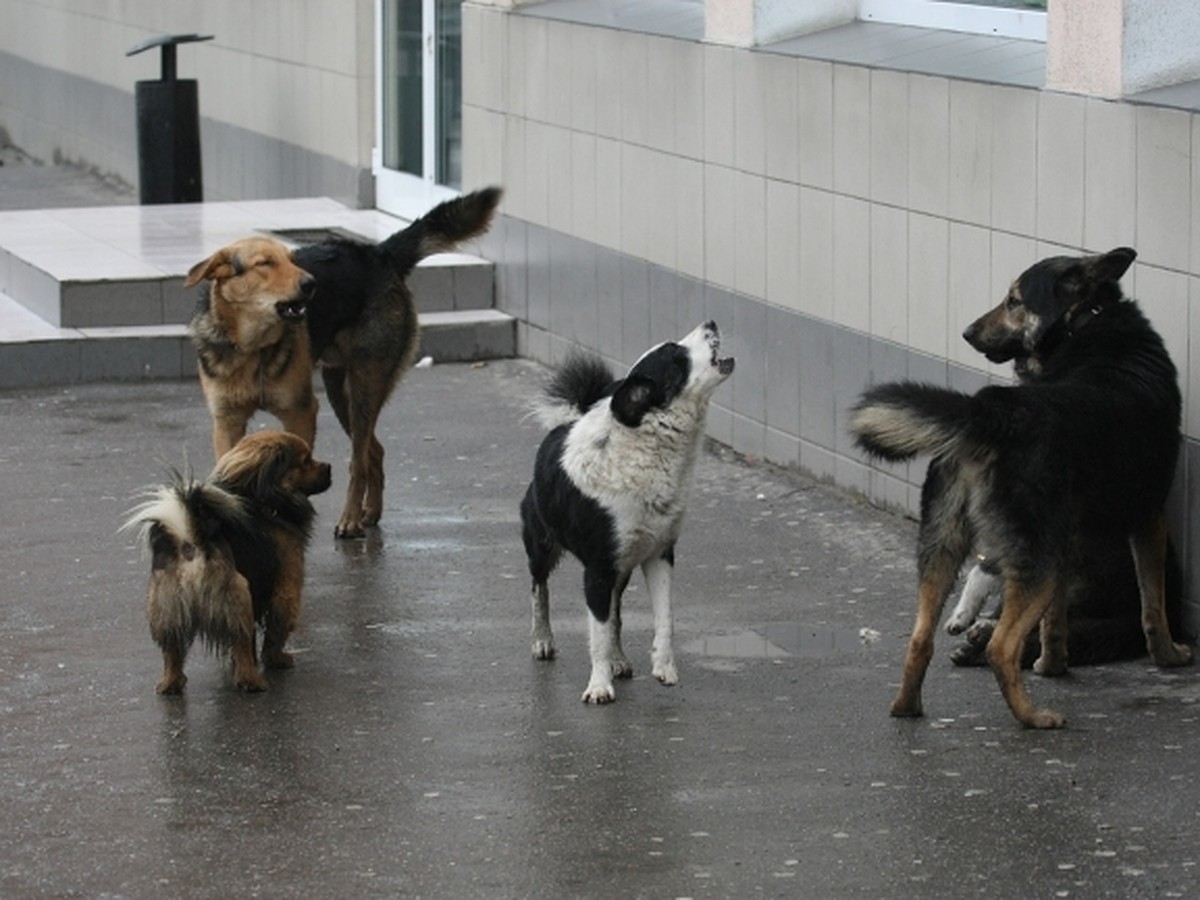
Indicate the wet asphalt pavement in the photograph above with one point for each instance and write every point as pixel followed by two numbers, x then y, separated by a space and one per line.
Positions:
pixel 417 749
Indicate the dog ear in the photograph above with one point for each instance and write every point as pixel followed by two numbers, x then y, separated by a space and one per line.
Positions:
pixel 632 398
pixel 1113 264
pixel 220 265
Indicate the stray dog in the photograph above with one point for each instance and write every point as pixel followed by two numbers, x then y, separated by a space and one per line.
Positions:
pixel 609 486
pixel 228 554
pixel 270 315
pixel 1020 473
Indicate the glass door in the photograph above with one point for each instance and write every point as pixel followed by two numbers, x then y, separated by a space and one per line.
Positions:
pixel 418 121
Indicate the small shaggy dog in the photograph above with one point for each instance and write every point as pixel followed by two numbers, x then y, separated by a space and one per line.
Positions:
pixel 609 486
pixel 228 555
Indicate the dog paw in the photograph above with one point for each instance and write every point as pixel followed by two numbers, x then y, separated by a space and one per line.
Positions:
pixel 170 685
pixel 1044 718
pixel 665 672
pixel 251 683
pixel 349 530
pixel 599 693
pixel 278 659
pixel 907 708
pixel 958 624
pixel 543 648
pixel 621 667
pixel 1050 667
pixel 968 654
pixel 1171 655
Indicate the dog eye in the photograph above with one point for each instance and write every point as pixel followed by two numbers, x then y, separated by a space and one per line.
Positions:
pixel 266 263
pixel 1012 301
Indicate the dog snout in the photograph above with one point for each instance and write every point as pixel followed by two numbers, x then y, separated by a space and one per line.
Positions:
pixel 322 478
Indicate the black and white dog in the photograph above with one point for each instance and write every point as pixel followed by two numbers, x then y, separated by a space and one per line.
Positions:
pixel 609 486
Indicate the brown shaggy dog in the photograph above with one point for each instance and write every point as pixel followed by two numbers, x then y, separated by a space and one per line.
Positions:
pixel 228 555
pixel 270 315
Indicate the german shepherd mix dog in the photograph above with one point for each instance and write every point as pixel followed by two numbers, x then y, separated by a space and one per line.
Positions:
pixel 270 315
pixel 228 555
pixel 1023 473
pixel 609 486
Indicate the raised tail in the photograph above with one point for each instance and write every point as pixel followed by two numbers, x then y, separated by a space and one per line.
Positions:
pixel 442 229
pixel 576 385
pixel 185 513
pixel 902 419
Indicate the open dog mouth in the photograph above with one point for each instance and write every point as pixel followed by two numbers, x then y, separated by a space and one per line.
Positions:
pixel 291 310
pixel 723 364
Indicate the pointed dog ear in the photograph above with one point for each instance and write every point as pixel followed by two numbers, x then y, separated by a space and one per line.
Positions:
pixel 220 265
pixel 1113 264
pixel 633 397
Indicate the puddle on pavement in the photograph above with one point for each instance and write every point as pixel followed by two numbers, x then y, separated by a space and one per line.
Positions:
pixel 779 641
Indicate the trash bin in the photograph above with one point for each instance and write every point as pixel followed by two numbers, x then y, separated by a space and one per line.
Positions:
pixel 168 128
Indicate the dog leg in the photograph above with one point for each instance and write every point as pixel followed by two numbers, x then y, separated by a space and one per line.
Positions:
pixel 227 431
pixel 930 599
pixel 1022 610
pixel 601 641
pixel 241 639
pixel 301 419
pixel 542 636
pixel 603 592
pixel 978 587
pixel 373 501
pixel 246 676
pixel 173 679
pixel 1054 655
pixel 658 581
pixel 1149 546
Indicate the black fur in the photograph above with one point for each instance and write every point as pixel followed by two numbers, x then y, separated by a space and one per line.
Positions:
pixel 351 275
pixel 1037 474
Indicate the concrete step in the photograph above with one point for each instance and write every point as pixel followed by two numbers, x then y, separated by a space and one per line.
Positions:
pixel 97 294
pixel 35 354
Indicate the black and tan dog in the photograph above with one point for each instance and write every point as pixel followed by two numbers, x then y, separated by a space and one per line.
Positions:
pixel 269 316
pixel 228 556
pixel 1022 474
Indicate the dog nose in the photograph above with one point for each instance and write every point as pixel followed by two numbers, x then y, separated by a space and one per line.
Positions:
pixel 308 286
pixel 970 331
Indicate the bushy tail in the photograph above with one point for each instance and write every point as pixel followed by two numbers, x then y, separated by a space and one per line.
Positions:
pixel 902 419
pixel 185 512
pixel 581 380
pixel 442 229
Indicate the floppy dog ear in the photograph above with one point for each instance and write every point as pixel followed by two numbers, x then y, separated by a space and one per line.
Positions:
pixel 632 398
pixel 220 265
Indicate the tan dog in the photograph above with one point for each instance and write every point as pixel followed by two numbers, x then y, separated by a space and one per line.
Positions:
pixel 228 555
pixel 270 315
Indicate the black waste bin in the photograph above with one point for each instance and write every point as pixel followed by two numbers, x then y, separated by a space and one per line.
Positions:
pixel 168 127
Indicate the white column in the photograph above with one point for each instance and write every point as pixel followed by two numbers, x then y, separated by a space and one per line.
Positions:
pixel 1111 48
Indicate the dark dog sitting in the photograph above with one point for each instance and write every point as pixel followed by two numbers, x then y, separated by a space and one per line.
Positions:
pixel 1104 611
pixel 228 555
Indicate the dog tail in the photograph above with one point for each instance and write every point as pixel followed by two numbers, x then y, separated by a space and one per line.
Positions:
pixel 899 420
pixel 441 229
pixel 184 514
pixel 576 385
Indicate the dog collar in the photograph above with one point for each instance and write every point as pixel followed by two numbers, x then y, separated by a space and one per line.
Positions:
pixel 1080 319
